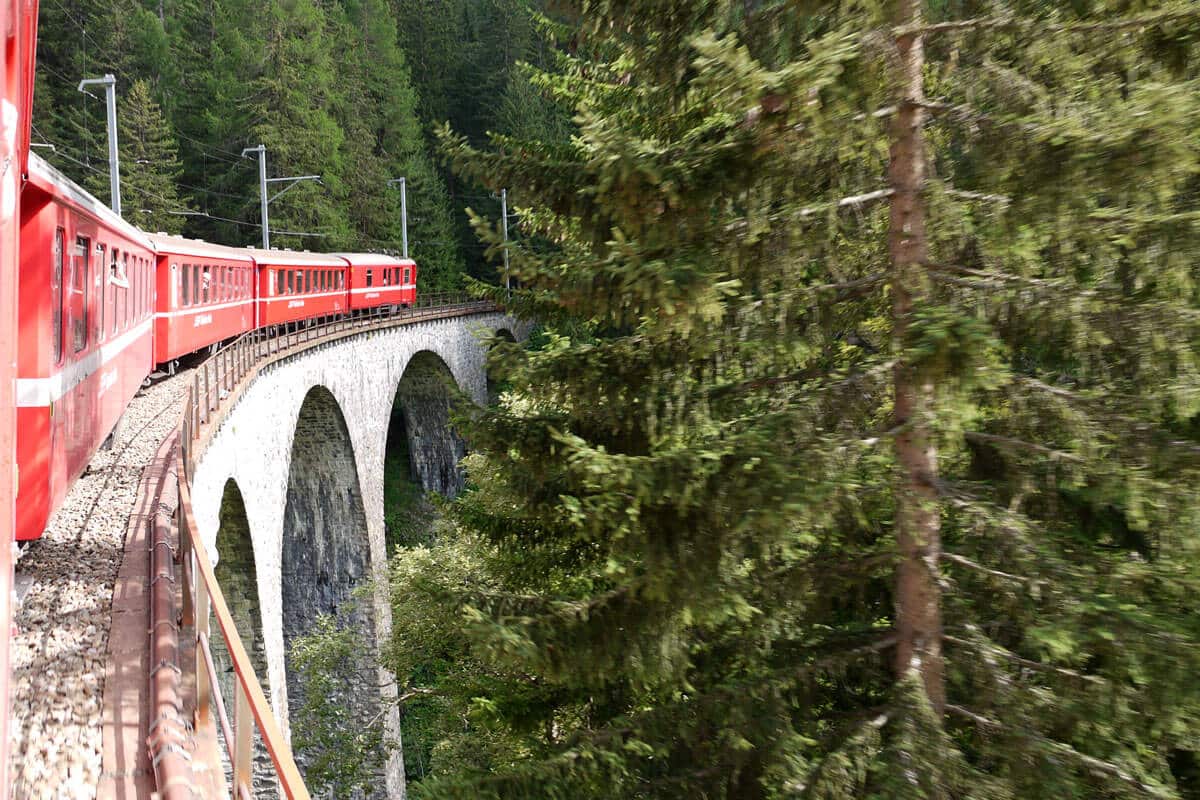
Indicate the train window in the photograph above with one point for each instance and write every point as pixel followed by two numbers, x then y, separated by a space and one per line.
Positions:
pixel 205 285
pixel 195 284
pixel 79 287
pixel 105 294
pixel 407 277
pixel 56 288
pixel 369 277
pixel 113 280
pixel 387 277
pixel 341 280
pixel 120 294
pixel 187 285
pixel 127 294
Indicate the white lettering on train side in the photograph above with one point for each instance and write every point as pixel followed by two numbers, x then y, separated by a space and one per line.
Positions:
pixel 107 380
pixel 202 319
pixel 372 295
pixel 295 304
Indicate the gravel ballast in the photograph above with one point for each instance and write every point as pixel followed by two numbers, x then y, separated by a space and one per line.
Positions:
pixel 66 579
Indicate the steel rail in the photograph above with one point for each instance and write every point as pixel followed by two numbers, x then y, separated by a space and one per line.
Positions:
pixel 216 387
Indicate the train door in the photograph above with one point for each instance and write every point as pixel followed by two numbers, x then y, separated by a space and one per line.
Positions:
pixel 75 407
pixel 60 299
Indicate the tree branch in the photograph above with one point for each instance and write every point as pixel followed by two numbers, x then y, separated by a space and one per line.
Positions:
pixel 1099 765
pixel 855 201
pixel 1020 444
pixel 795 377
pixel 1000 277
pixel 982 197
pixel 969 564
pixel 1024 662
pixel 1021 23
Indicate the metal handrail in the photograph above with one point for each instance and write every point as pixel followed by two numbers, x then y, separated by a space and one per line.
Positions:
pixel 218 379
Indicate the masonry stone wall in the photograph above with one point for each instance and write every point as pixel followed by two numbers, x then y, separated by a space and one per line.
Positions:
pixel 254 447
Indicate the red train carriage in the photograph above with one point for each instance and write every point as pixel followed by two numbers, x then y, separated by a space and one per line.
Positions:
pixel 205 295
pixel 86 335
pixel 18 21
pixel 299 285
pixel 380 280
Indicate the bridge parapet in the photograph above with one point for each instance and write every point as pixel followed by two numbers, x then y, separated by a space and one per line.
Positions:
pixel 185 670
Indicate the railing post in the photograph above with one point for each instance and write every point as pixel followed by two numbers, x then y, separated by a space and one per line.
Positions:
pixel 187 614
pixel 204 687
pixel 241 748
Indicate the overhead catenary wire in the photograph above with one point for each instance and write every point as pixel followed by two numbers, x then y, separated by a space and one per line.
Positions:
pixel 206 149
pixel 183 211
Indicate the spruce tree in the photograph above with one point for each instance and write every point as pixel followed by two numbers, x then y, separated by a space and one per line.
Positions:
pixel 378 109
pixel 860 456
pixel 149 163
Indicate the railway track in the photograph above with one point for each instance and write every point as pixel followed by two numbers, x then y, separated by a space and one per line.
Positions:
pixel 64 585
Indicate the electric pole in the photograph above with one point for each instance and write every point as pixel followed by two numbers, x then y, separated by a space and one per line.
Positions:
pixel 262 190
pixel 504 228
pixel 114 159
pixel 263 180
pixel 403 212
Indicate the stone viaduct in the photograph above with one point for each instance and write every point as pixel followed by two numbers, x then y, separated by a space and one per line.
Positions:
pixel 292 484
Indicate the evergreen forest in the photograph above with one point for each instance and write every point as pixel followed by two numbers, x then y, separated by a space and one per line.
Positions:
pixel 350 90
pixel 855 452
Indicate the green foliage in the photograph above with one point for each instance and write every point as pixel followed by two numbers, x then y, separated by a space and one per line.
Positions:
pixel 679 569
pixel 150 162
pixel 342 754
pixel 408 516
pixel 326 86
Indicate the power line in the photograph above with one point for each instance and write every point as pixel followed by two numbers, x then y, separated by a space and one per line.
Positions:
pixel 235 159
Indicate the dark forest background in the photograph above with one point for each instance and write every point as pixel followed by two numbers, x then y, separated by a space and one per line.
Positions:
pixel 349 90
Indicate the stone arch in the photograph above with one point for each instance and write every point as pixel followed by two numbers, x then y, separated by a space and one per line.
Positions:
pixel 325 551
pixel 237 575
pixel 494 386
pixel 421 407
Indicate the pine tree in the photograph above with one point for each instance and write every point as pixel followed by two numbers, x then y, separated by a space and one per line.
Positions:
pixel 860 457
pixel 149 163
pixel 378 110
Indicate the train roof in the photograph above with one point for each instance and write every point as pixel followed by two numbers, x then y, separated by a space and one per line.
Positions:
pixel 376 260
pixel 294 258
pixel 53 182
pixel 179 245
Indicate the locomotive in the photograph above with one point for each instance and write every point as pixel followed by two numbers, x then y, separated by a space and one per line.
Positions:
pixel 104 305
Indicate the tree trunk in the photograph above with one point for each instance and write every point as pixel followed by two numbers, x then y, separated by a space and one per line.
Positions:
pixel 918 521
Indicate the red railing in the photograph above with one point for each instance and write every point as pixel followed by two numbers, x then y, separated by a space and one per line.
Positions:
pixel 216 385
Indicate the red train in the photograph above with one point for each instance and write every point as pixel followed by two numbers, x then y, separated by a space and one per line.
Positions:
pixel 103 304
